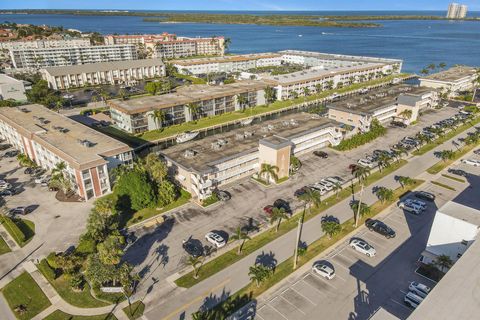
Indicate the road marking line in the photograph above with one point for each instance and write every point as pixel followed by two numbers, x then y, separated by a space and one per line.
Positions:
pixel 293 305
pixel 308 284
pixel 303 296
pixel 337 276
pixel 325 281
pixel 401 304
pixel 277 311
pixel 202 296
pixel 403 292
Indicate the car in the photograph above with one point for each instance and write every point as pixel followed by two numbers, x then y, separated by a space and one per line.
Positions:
pixel 216 239
pixel 11 154
pixel 335 180
pixel 363 247
pixel 20 210
pixel 419 289
pixel 300 192
pixel 193 248
pixel 320 188
pixel 380 227
pixel 38 172
pixel 323 270
pixel 5 185
pixel 366 163
pixel 458 172
pixel 5 147
pixel 472 162
pixel 425 195
pixel 68 96
pixel 416 202
pixel 42 180
pixel 321 154
pixel 398 124
pixel 7 192
pixel 477 151
pixel 410 207
pixel 28 171
pixel 223 195
pixel 412 300
pixel 268 209
pixel 326 184
pixel 282 204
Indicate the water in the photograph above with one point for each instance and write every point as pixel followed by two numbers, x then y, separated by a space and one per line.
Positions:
pixel 418 43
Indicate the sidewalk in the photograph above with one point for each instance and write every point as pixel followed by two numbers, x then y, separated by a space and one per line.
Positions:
pixel 8 238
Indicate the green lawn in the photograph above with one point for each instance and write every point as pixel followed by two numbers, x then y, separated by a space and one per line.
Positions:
pixel 21 230
pixel 82 299
pixel 440 165
pixel 230 257
pixel 137 309
pixel 4 248
pixel 192 79
pixel 443 185
pixel 453 178
pixel 234 116
pixel 151 212
pixel 60 315
pixel 23 290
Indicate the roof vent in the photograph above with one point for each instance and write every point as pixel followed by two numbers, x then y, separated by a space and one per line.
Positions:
pixel 189 153
pixel 86 143
pixel 24 110
pixel 61 129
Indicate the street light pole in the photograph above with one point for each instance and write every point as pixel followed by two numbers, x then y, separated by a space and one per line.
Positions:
pixel 299 234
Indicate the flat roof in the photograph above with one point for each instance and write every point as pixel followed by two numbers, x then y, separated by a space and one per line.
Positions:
pixel 461 212
pixel 206 157
pixel 225 59
pixel 376 99
pixel 317 73
pixel 103 66
pixel 336 56
pixel 45 127
pixel 4 79
pixel 184 95
pixel 451 75
pixel 456 296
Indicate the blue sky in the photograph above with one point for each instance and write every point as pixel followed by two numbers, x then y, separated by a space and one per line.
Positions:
pixel 236 4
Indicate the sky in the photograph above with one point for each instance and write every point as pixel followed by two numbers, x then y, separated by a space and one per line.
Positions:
pixel 269 5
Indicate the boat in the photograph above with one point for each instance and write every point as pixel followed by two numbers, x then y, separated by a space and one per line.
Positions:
pixel 246 122
pixel 300 35
pixel 186 136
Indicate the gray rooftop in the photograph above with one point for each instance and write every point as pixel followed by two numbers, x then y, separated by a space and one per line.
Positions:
pixel 334 56
pixel 376 99
pixel 453 74
pixel 225 59
pixel 461 212
pixel 205 157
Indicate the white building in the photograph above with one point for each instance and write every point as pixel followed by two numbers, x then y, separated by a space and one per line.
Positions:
pixel 45 43
pixel 37 58
pixel 451 81
pixel 118 72
pixel 454 229
pixel 456 11
pixel 11 88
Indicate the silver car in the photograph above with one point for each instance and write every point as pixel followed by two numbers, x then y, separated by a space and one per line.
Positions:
pixel 363 247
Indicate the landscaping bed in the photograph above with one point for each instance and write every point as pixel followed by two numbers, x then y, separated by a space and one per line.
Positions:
pixel 137 309
pixel 4 248
pixel 442 164
pixel 21 230
pixel 24 293
pixel 231 256
pixel 443 185
pixel 430 272
pixel 453 178
pixel 60 315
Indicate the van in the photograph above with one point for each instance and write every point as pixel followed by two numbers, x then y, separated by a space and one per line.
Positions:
pixel 412 300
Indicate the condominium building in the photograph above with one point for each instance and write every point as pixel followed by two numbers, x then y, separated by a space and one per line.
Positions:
pixel 11 89
pixel 45 43
pixel 384 105
pixel 456 11
pixel 200 166
pixel 451 81
pixel 117 72
pixel 136 115
pixel 49 138
pixel 167 45
pixel 37 58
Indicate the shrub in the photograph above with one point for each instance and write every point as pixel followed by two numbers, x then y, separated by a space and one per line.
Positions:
pixel 376 130
pixel 77 281
pixel 52 260
pixel 86 245
pixel 47 271
pixel 134 186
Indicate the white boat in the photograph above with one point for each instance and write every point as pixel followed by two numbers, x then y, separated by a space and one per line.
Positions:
pixel 247 122
pixel 300 35
pixel 186 136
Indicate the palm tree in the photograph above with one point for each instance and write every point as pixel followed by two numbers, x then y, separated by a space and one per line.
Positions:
pixel 241 236
pixel 269 95
pixel 384 194
pixel 475 83
pixel 159 116
pixel 194 109
pixel 406 114
pixel 295 164
pixel 122 94
pixel 277 215
pixel 424 71
pixel 446 155
pixel 444 262
pixel 331 228
pixel 60 167
pixel 195 263
pixel 58 105
pixel 306 91
pixel 269 171
pixel 311 197
pixel 25 161
pixel 329 84
pixel 318 88
pixel 361 174
pixel 431 66
pixel 226 43
pixel 359 209
pixel 383 161
pixel 105 95
pixel 337 187
pixel 405 181
pixel 259 273
pixel 442 65
pixel 242 101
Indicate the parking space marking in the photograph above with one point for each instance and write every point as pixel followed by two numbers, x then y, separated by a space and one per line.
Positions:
pixel 402 291
pixel 301 311
pixel 297 292
pixel 401 304
pixel 325 281
pixel 313 287
pixel 268 310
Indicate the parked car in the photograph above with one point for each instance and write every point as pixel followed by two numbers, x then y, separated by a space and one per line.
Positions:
pixel 7 192
pixel 5 185
pixel 28 171
pixel 300 192
pixel 38 172
pixel 216 239
pixel 412 300
pixel 398 124
pixel 458 172
pixel 335 179
pixel 320 188
pixel 42 179
pixel 425 195
pixel 366 163
pixel 5 147
pixel 419 289
pixel 223 195
pixel 363 247
pixel 421 204
pixel 380 227
pixel 11 154
pixel 472 162
pixel 328 185
pixel 477 151
pixel 20 210
pixel 323 270
pixel 282 204
pixel 193 248
pixel 410 207
pixel 321 154
pixel 268 209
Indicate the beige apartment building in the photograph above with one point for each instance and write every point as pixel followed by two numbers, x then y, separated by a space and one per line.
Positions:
pixel 200 166
pixel 127 72
pixel 451 81
pixel 45 43
pixel 49 138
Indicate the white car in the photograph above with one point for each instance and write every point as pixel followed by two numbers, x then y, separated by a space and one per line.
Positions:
pixel 320 188
pixel 335 180
pixel 419 289
pixel 215 239
pixel 5 185
pixel 323 270
pixel 363 247
pixel 366 163
pixel 472 162
pixel 326 184
pixel 42 180
pixel 412 300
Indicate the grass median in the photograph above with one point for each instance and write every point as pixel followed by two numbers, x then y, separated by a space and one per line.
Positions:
pixel 453 178
pixel 21 230
pixel 60 315
pixel 443 185
pixel 4 248
pixel 134 311
pixel 231 256
pixel 442 164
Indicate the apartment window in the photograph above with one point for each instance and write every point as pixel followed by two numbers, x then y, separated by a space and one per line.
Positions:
pixel 464 242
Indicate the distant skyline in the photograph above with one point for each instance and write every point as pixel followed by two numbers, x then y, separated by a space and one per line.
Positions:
pixel 267 5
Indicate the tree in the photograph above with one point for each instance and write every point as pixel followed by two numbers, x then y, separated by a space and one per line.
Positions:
pixel 331 228
pixel 25 161
pixel 306 91
pixel 134 187
pixel 424 71
pixel 195 263
pixel 361 174
pixel 69 264
pixel 337 187
pixel 167 193
pixel 59 179
pixel 359 209
pixel 242 101
pixel 405 181
pixel 226 43
pixel 383 161
pixel 443 261
pixel 329 84
pixel 97 272
pixel 431 66
pixel 384 194
pixel 123 94
pixel 159 117
pixel 194 109
pixel 151 88
pixel 270 95
pixel 295 164
pixel 446 155
pixel 259 273
pixel 277 215
pixel 311 197
pixel 110 251
pixel 442 65
pixel 406 114
pixel 269 171
pixel 41 93
pixel 242 236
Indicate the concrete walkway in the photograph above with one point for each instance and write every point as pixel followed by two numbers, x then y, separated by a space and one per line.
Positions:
pixel 8 238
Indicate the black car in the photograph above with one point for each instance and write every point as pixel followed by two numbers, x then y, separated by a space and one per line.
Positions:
pixel 425 195
pixel 300 192
pixel 5 146
pixel 28 171
pixel 7 192
pixel 380 227
pixel 11 154
pixel 193 248
pixel 282 204
pixel 398 124
pixel 458 172
pixel 321 154
pixel 223 195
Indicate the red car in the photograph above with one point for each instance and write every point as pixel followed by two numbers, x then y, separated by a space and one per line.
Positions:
pixel 268 210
